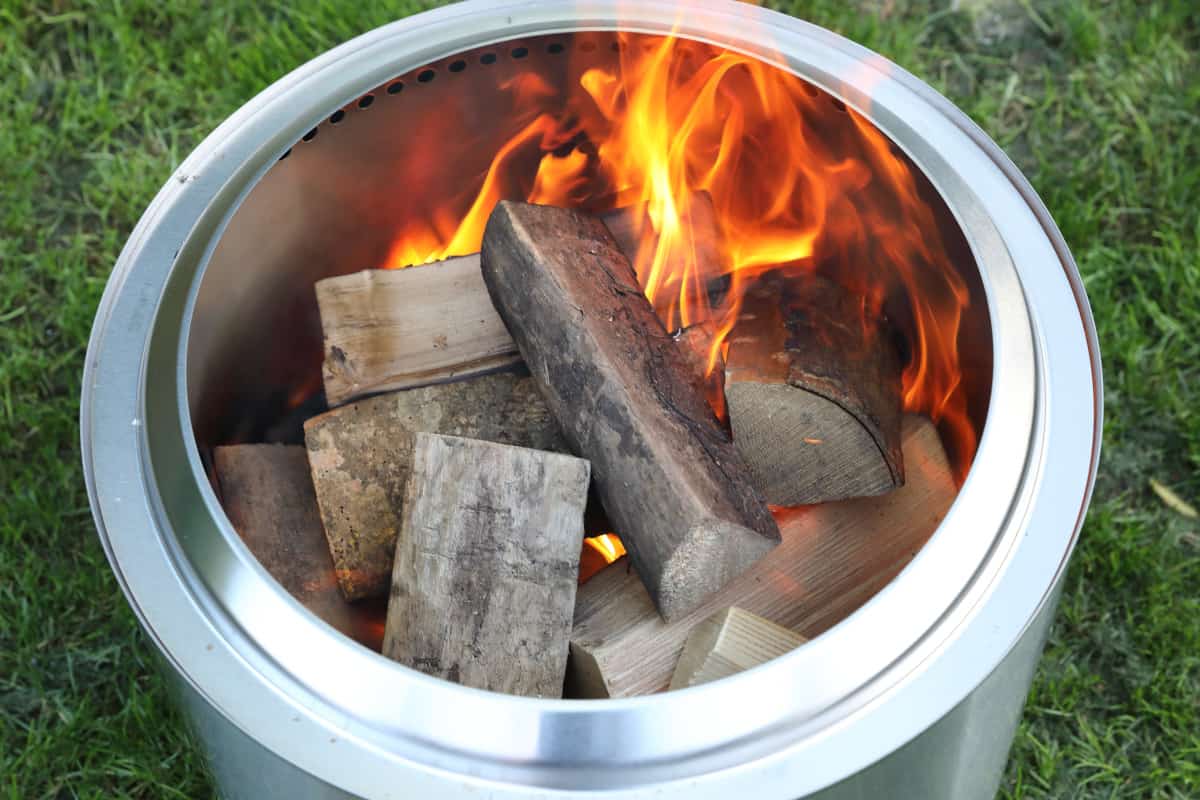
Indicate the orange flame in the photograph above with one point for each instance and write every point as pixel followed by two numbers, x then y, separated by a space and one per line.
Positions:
pixel 598 552
pixel 798 182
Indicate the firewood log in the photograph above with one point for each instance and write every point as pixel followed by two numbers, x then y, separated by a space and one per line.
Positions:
pixel 812 383
pixel 671 482
pixel 486 564
pixel 729 642
pixel 391 329
pixel 360 456
pixel 268 497
pixel 834 557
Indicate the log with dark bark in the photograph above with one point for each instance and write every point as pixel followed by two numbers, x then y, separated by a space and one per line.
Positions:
pixel 392 329
pixel 673 485
pixel 812 383
pixel 729 642
pixel 696 344
pixel 486 564
pixel 361 453
pixel 834 557
pixel 268 496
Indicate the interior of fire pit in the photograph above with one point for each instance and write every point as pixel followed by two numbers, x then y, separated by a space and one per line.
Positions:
pixel 407 172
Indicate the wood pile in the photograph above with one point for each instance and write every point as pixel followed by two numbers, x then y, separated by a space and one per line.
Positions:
pixel 490 411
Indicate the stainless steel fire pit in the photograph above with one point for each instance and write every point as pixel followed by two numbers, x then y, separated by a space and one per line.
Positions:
pixel 917 694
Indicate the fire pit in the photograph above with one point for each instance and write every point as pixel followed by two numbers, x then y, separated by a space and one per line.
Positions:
pixel 815 159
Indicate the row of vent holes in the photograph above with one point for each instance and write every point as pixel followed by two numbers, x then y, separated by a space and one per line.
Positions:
pixel 554 48
pixel 426 76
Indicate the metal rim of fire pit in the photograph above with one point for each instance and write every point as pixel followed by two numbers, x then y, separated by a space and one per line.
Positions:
pixel 801 723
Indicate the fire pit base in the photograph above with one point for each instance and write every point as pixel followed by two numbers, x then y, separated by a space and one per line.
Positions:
pixel 961 757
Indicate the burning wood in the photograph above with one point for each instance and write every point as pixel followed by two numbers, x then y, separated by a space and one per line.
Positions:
pixel 400 328
pixel 834 557
pixel 727 643
pixel 267 495
pixel 626 399
pixel 812 383
pixel 487 564
pixel 392 329
pixel 360 456
pixel 635 235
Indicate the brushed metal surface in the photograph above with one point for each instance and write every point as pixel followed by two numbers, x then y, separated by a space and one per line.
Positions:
pixel 965 620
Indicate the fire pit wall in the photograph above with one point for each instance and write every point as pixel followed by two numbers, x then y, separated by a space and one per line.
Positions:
pixel 417 142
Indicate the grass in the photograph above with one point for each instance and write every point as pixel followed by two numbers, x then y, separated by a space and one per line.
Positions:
pixel 1096 102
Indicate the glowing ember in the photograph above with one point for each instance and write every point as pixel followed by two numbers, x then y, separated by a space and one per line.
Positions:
pixel 607 545
pixel 798 184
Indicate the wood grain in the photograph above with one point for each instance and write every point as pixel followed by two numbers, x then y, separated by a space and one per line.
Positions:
pixel 392 329
pixel 361 454
pixel 486 564
pixel 729 642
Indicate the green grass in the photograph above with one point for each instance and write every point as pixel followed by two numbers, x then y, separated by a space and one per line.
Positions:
pixel 1095 101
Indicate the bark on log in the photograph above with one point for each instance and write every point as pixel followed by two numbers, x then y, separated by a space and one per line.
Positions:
pixel 695 342
pixel 729 642
pixel 670 480
pixel 392 329
pixel 809 367
pixel 268 497
pixel 486 565
pixel 360 456
pixel 834 557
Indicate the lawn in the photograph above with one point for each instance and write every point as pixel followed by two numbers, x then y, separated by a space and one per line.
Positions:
pixel 1096 101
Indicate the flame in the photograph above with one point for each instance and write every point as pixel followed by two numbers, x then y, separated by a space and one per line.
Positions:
pixel 598 552
pixel 607 545
pixel 797 183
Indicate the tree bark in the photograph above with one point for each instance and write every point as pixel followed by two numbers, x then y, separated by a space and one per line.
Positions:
pixel 361 454
pixel 672 483
pixel 834 558
pixel 486 564
pixel 810 367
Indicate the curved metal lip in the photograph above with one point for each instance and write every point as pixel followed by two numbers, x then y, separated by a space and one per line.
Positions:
pixel 881 676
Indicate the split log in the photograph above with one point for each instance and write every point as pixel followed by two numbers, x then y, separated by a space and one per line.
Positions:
pixel 810 368
pixel 670 480
pixel 392 329
pixel 729 642
pixel 486 564
pixel 395 329
pixel 834 558
pixel 361 454
pixel 268 497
